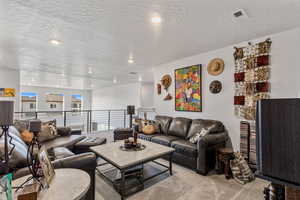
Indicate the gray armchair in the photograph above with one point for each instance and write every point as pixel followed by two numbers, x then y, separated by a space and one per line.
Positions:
pixel 63 156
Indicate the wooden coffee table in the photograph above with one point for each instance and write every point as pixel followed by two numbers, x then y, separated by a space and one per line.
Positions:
pixel 126 160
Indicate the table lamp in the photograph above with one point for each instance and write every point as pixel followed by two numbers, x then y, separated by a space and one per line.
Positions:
pixel 6 120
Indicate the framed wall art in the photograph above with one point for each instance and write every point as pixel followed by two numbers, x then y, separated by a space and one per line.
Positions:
pixel 7 92
pixel 188 89
pixel 47 167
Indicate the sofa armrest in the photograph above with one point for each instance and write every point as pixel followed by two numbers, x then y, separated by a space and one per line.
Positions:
pixel 85 161
pixel 76 132
pixel 213 139
pixel 206 146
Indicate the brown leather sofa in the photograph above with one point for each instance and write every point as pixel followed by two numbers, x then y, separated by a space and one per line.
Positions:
pixel 60 150
pixel 176 132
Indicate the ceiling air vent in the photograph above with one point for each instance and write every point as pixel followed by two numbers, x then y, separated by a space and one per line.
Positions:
pixel 240 14
pixel 133 73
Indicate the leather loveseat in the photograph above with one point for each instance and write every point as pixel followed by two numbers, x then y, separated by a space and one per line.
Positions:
pixel 176 132
pixel 61 147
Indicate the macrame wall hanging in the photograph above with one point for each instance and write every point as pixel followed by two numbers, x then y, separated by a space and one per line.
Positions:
pixel 252 73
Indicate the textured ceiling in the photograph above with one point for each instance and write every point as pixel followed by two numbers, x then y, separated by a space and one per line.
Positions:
pixel 103 34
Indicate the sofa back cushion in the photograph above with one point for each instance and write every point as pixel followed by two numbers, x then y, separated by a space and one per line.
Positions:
pixel 21 125
pixel 179 127
pixel 164 123
pixel 198 124
pixel 48 131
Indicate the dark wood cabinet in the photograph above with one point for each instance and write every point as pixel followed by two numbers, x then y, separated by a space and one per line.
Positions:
pixel 278 139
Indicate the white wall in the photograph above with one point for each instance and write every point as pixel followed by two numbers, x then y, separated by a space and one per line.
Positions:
pixel 147 95
pixel 43 91
pixel 285 80
pixel 116 97
pixel 11 79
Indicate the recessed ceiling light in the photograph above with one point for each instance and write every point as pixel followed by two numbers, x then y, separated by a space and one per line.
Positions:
pixel 156 20
pixel 55 42
pixel 140 78
pixel 130 61
pixel 115 80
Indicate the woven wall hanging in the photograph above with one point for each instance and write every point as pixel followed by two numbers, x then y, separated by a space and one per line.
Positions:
pixel 252 73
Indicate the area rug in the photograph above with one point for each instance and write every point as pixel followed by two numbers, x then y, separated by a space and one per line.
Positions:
pixel 186 184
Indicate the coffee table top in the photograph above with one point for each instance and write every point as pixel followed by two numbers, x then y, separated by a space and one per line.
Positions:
pixel 112 153
pixel 70 184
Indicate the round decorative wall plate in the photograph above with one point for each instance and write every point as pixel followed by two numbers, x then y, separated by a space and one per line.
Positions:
pixel 215 66
pixel 166 81
pixel 215 87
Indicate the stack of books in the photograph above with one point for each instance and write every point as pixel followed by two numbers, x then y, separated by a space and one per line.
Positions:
pixel 248 142
pixel 244 143
pixel 252 153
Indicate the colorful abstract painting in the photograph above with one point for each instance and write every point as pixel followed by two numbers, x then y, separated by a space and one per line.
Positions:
pixel 7 92
pixel 188 94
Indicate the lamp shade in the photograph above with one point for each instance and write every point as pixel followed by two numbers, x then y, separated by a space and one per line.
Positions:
pixel 35 126
pixel 6 113
pixel 130 110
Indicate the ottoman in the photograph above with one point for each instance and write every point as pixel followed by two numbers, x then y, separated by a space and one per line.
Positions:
pixel 122 133
pixel 84 145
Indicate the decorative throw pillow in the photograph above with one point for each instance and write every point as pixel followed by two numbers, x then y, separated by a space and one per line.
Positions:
pixel 48 131
pixel 196 137
pixel 240 169
pixel 149 129
pixel 22 126
pixel 155 124
pixel 64 131
pixel 139 123
pixel 27 136
pixel 145 123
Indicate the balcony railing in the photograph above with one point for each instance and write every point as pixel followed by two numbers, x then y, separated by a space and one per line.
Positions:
pixel 88 121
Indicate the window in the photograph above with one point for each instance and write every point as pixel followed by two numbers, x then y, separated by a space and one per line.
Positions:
pixel 76 103
pixel 52 106
pixel 55 102
pixel 29 101
pixel 32 106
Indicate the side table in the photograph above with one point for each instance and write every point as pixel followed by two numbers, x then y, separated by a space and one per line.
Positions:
pixel 71 184
pixel 224 155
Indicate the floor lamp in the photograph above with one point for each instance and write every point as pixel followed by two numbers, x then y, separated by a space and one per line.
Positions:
pixel 32 157
pixel 130 112
pixel 6 120
pixel 32 154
